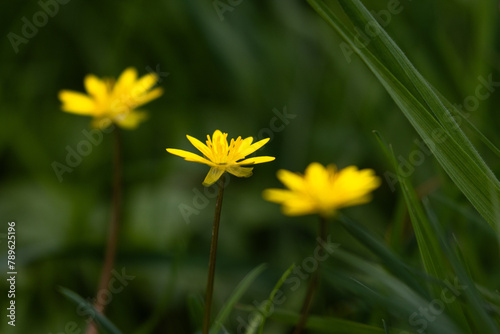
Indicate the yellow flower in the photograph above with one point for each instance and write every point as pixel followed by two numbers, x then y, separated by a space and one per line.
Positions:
pixel 322 190
pixel 113 102
pixel 222 157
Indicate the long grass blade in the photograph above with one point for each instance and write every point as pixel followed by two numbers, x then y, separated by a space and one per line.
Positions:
pixel 389 259
pixel 433 259
pixel 97 316
pixel 375 285
pixel 237 293
pixel 327 324
pixel 423 108
pixel 258 322
pixel 477 304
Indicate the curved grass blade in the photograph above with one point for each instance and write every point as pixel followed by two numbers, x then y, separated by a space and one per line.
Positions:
pixel 425 111
pixel 162 308
pixel 386 329
pixel 377 286
pixel 434 261
pixel 476 302
pixel 258 322
pixel 237 293
pixel 396 62
pixel 195 307
pixel 328 325
pixel 389 259
pixel 459 117
pixel 98 317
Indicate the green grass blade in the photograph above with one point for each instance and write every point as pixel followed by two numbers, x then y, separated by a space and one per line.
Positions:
pixel 434 261
pixel 237 293
pixel 493 298
pixel 477 305
pixel 482 137
pixel 270 301
pixel 459 117
pixel 397 63
pixel 195 307
pixel 389 259
pixel 98 317
pixel 432 257
pixel 425 111
pixel 327 324
pixel 386 329
pixel 376 286
pixel 430 250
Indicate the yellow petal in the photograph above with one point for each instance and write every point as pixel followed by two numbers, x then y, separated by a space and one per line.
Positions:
pixel 213 175
pixel 219 145
pixel 244 146
pixel 355 186
pixel 101 123
pixel 240 171
pixel 254 147
pixel 96 87
pixel 126 80
pixel 256 160
pixel 291 180
pixel 298 209
pixel 217 134
pixel 316 177
pixel 315 171
pixel 293 204
pixel 131 119
pixel 144 84
pixel 234 150
pixel 200 146
pixel 188 156
pixel 277 195
pixel 355 200
pixel 145 98
pixel 76 103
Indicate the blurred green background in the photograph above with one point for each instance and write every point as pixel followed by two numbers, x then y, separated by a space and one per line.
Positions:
pixel 234 71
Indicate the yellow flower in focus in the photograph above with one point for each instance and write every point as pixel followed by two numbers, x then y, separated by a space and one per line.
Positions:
pixel 322 190
pixel 113 102
pixel 223 157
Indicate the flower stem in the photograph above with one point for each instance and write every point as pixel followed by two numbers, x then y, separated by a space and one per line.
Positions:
pixel 213 256
pixel 313 284
pixel 109 257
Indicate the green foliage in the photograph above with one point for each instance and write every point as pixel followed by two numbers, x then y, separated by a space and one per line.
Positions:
pixel 99 319
pixel 326 324
pixel 423 108
pixel 235 296
pixel 258 322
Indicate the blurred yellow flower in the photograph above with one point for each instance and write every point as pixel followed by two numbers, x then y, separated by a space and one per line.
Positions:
pixel 322 190
pixel 222 157
pixel 113 102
